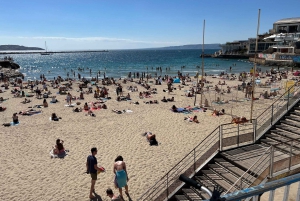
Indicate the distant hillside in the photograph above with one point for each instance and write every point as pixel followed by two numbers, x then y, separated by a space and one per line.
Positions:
pixel 195 46
pixel 17 47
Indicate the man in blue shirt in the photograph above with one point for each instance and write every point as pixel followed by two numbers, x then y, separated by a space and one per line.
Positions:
pixel 92 169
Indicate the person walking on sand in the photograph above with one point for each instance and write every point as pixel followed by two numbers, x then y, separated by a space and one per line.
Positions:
pixel 121 176
pixel 92 169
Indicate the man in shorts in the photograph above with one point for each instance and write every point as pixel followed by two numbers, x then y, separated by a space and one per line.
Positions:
pixel 92 169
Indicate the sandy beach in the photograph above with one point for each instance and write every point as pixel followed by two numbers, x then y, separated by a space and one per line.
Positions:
pixel 29 173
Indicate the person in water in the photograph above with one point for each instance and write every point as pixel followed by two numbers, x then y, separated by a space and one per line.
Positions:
pixel 121 176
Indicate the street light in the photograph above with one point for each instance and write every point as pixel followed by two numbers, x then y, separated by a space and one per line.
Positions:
pixel 198 67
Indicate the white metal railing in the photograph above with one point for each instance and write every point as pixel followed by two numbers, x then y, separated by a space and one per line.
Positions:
pixel 256 191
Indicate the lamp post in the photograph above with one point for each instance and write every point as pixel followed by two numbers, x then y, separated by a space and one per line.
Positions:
pixel 198 67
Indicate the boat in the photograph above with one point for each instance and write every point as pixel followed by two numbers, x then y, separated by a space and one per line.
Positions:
pixel 45 53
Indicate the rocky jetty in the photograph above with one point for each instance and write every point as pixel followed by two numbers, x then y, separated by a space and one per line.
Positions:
pixel 9 69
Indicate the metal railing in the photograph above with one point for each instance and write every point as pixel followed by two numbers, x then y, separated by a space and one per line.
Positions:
pixel 225 136
pixel 266 165
pixel 222 138
pixel 255 192
pixel 279 108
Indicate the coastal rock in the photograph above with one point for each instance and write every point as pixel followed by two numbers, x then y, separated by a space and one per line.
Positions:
pixel 10 73
pixel 9 64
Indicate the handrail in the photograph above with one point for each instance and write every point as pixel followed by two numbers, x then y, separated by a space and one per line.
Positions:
pixel 217 135
pixel 284 94
pixel 242 176
pixel 247 171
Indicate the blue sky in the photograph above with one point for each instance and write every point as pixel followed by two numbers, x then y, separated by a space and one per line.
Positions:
pixel 128 24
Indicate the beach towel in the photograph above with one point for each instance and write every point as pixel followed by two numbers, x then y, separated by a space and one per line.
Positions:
pixel 14 124
pixel 72 105
pixel 60 155
pixel 120 178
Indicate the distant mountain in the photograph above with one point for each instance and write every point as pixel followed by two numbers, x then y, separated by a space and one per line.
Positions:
pixel 17 47
pixel 194 46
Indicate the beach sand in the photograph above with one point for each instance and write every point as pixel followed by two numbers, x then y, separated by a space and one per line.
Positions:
pixel 28 172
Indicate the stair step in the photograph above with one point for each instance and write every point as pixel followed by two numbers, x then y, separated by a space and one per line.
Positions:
pixel 207 183
pixel 289 123
pixel 191 194
pixel 218 180
pixel 181 198
pixel 235 170
pixel 223 173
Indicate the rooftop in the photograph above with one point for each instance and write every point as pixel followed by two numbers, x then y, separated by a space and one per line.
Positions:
pixel 288 20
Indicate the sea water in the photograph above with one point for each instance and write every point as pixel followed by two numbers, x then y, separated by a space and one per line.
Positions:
pixel 118 63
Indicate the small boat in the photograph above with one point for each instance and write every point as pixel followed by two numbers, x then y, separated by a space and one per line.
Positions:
pixel 45 53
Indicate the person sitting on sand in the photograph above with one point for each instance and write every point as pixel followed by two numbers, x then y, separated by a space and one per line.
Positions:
pixel 170 99
pixel 189 95
pixel 90 113
pixel 2 108
pixel 128 97
pixel 26 101
pixel 15 118
pixel 59 147
pixel 77 109
pixel 86 107
pixel 1 99
pixel 195 119
pixel 54 100
pixel 141 95
pixel 54 117
pixel 45 104
pixel 151 138
pixel 113 197
pixel 81 95
pixel 164 99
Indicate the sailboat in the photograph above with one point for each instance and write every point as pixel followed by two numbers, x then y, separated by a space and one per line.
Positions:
pixel 45 53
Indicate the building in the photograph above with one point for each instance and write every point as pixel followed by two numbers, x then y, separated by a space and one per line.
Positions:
pixel 283 38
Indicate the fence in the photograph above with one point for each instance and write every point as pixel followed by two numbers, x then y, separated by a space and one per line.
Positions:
pixel 225 136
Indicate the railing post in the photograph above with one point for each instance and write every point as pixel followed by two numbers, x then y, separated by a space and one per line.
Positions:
pixel 238 137
pixel 167 186
pixel 288 99
pixel 272 114
pixel 254 129
pixel 291 153
pixel 194 160
pixel 220 138
pixel 271 162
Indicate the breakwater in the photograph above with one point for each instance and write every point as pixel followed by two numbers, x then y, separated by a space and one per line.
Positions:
pixel 50 52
